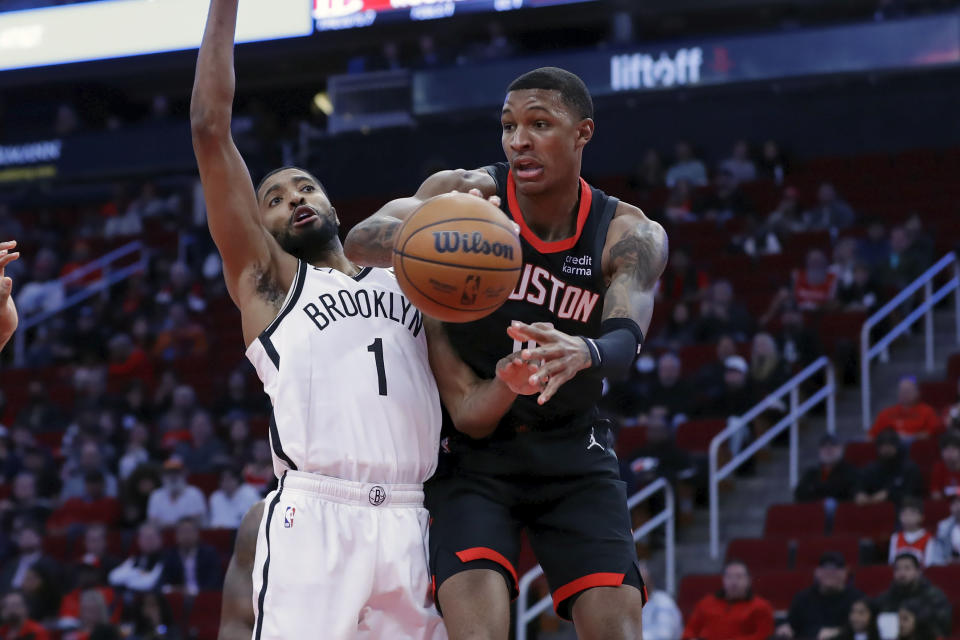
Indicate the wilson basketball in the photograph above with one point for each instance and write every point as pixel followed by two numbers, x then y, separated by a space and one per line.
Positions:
pixel 457 257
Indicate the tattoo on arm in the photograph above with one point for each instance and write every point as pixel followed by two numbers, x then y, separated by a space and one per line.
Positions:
pixel 378 233
pixel 642 255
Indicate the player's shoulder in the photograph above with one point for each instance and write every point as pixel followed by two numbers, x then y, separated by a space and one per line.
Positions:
pixel 631 220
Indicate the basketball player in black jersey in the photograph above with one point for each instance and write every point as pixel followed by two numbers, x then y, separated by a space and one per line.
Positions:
pixel 585 298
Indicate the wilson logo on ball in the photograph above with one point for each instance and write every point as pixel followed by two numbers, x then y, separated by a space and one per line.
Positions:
pixel 453 242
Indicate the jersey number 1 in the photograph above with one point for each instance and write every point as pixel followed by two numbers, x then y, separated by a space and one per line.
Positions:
pixel 376 348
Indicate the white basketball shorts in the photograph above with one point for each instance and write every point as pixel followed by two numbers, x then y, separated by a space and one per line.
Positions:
pixel 338 560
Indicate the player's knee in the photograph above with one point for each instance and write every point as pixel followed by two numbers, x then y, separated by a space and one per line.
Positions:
pixel 475 605
pixel 609 613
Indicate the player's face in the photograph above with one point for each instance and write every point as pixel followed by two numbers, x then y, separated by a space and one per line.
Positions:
pixel 296 212
pixel 542 139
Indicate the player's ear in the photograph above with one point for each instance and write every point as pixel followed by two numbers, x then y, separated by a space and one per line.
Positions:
pixel 336 218
pixel 585 132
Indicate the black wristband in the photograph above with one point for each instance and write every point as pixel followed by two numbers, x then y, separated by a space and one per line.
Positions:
pixel 612 324
pixel 613 352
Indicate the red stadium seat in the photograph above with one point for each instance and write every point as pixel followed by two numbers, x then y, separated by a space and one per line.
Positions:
pixel 835 327
pixel 696 435
pixel 175 602
pixel 694 587
pixel 953 366
pixel 206 482
pixel 760 554
pixel 810 549
pixel 794 520
pixel 873 579
pixel 947 578
pixel 779 587
pixel 204 621
pixel 696 356
pixel 939 394
pixel 870 520
pixel 860 454
pixel 629 439
pixel 925 452
pixel 934 511
pixel 219 539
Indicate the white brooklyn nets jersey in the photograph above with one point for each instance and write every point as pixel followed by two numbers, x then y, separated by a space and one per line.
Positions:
pixel 345 366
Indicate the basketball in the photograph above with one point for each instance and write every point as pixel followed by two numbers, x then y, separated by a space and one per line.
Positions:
pixel 457 257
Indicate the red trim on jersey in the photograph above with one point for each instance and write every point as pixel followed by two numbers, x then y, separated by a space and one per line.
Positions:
pixel 484 553
pixel 586 201
pixel 588 581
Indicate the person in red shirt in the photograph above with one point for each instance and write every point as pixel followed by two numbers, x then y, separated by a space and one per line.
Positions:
pixel 910 417
pixel 734 613
pixel 945 479
pixel 16 623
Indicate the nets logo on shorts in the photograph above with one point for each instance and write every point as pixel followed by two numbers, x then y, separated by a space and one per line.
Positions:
pixel 377 495
pixel 288 517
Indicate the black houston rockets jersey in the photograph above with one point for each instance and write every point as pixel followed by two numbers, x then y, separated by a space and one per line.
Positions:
pixel 561 282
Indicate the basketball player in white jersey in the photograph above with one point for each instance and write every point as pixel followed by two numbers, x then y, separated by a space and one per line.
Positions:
pixel 341 549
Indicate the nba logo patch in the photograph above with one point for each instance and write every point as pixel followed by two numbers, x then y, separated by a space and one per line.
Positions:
pixel 288 517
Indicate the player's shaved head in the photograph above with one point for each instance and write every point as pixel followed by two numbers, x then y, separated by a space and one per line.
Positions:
pixel 573 92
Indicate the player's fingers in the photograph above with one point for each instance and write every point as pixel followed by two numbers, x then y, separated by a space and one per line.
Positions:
pixel 475 192
pixel 549 370
pixel 552 385
pixel 546 352
pixel 520 331
pixel 6 288
pixel 7 258
pixel 7 245
pixel 495 201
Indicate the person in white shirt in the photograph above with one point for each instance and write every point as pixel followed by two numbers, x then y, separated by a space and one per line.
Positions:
pixel 661 616
pixel 686 167
pixel 175 499
pixel 948 534
pixel 141 572
pixel 231 501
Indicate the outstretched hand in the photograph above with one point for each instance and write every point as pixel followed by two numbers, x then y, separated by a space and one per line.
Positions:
pixel 560 356
pixel 8 312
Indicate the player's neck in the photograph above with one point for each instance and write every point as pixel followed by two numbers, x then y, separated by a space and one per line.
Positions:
pixel 552 215
pixel 336 260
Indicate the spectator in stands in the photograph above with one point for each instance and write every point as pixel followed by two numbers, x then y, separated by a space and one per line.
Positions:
pixel 15 617
pixel 230 502
pixel 824 607
pixel 649 173
pixel 945 479
pixel 95 551
pixel 874 248
pixel 710 376
pixel 661 616
pixel 913 622
pixel 773 162
pixel 734 612
pixel 8 310
pixel 660 457
pixel 39 413
pixel 682 281
pixel 94 619
pixel 721 314
pixel 726 201
pixel 952 414
pixel 258 473
pixel 910 417
pixel 831 212
pixel 180 336
pixel 861 623
pixel 75 475
pixel 756 239
pixel 787 218
pixel 88 576
pixel 686 167
pixel 679 205
pixel 844 260
pixel 739 164
pixel 38 462
pixel 921 242
pixel 913 537
pixel 669 389
pixel 181 290
pixel 833 479
pixel 128 362
pixel 768 371
pixel 192 566
pixel 25 504
pixel 43 292
pixel 814 287
pixel 238 438
pixel 136 451
pixel 91 507
pixel 142 571
pixel 80 255
pixel 137 490
pixel 909 583
pixel 204 453
pixel 892 476
pixel 862 293
pixel 679 331
pixel 29 540
pixel 175 499
pixel 152 619
pixel 10 462
pixel 183 404
pixel 948 534
pixel 41 588
pixel 736 396
pixel 904 264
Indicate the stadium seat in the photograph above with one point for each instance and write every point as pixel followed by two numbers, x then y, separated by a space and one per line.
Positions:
pixel 696 435
pixel 870 520
pixel 837 327
pixel 694 587
pixel 934 511
pixel 792 520
pixel 939 394
pixel 873 579
pixel 204 621
pixel 953 366
pixel 219 539
pixel 925 452
pixel 779 587
pixel 760 554
pixel 206 482
pixel 809 550
pixel 948 579
pixel 860 454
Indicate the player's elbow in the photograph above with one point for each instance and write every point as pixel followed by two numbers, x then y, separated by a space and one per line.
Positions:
pixel 474 426
pixel 208 124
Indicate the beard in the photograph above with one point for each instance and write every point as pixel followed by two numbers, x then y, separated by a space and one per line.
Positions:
pixel 312 244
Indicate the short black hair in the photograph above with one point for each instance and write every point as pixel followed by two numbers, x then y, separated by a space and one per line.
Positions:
pixel 573 91
pixel 288 168
pixel 910 502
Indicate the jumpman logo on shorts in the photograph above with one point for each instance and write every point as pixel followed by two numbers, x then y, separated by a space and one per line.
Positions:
pixel 593 441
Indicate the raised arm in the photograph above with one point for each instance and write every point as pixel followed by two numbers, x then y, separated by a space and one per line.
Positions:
pixel 249 254
pixel 8 312
pixel 475 405
pixel 634 257
pixel 370 243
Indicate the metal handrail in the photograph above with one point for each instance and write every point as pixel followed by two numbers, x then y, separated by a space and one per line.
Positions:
pixel 925 309
pixel 665 518
pixel 827 392
pixel 110 278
